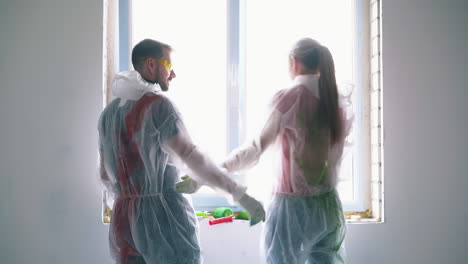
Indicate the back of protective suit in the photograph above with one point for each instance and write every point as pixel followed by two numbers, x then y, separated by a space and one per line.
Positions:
pixel 151 222
pixel 309 161
pixel 132 134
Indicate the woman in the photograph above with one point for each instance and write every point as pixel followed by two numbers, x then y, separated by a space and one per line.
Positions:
pixel 309 124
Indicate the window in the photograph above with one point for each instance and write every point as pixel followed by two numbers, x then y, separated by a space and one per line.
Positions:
pixel 231 57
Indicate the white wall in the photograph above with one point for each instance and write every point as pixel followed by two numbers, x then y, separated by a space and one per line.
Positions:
pixel 50 100
pixel 426 173
pixel 50 76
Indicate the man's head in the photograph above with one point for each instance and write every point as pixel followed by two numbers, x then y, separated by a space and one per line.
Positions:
pixel 152 59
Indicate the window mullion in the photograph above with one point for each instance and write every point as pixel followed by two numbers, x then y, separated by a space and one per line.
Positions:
pixel 235 96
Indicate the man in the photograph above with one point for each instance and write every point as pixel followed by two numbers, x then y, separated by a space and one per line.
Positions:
pixel 141 139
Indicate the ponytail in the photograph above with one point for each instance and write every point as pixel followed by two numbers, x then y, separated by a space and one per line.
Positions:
pixel 317 57
pixel 328 107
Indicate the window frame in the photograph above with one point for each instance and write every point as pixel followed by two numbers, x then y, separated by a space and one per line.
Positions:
pixel 368 202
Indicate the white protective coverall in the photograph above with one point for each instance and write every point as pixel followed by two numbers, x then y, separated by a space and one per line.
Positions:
pixel 305 221
pixel 141 139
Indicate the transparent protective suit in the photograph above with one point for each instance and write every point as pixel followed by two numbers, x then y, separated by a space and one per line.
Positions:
pixel 305 222
pixel 142 141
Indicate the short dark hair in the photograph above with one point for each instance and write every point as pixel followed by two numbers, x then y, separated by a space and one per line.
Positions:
pixel 147 48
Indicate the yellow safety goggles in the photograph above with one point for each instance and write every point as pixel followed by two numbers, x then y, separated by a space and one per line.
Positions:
pixel 165 63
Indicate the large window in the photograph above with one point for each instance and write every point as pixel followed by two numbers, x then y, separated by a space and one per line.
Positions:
pixel 230 57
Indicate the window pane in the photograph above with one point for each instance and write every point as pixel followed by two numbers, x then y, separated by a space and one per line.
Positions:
pixel 197 32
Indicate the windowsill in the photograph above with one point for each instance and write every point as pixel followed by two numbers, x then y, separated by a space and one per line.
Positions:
pixel 360 217
pixel 365 221
pixel 247 223
pixel 238 222
pixel 235 221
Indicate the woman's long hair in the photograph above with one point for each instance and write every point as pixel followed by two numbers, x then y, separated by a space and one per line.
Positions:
pixel 316 57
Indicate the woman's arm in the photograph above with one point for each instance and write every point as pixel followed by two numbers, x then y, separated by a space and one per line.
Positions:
pixel 248 155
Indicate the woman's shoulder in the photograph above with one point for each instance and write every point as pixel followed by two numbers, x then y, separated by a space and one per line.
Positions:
pixel 285 98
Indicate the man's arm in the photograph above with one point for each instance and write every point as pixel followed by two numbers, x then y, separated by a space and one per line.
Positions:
pixel 205 171
pixel 102 171
pixel 104 177
pixel 176 141
pixel 201 167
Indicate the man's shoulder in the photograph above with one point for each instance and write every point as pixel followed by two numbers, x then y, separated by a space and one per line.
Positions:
pixel 109 107
pixel 153 97
pixel 151 100
pixel 155 103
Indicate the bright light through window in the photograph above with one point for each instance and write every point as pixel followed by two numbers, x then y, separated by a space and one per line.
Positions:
pixel 197 30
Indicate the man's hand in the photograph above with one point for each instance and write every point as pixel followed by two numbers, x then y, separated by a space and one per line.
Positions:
pixel 187 185
pixel 254 207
